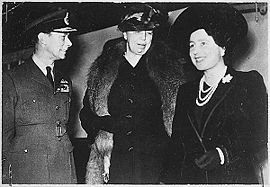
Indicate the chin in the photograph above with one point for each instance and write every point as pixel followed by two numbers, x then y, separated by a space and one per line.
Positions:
pixel 200 68
pixel 62 57
pixel 141 52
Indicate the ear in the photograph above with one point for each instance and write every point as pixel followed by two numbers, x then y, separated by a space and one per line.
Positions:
pixel 42 37
pixel 222 51
pixel 125 35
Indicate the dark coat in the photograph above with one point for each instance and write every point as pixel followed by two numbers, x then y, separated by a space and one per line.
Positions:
pixel 235 120
pixel 33 114
pixel 163 73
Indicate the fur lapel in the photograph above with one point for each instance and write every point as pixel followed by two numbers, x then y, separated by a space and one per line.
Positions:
pixel 162 64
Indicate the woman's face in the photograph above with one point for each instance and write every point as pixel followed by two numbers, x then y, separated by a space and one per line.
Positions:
pixel 204 52
pixel 138 42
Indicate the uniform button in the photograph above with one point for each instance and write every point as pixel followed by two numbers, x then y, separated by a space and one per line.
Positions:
pixel 129 132
pixel 131 101
pixel 130 149
pixel 57 107
pixel 33 100
pixel 133 74
pixel 25 151
pixel 58 122
pixel 128 116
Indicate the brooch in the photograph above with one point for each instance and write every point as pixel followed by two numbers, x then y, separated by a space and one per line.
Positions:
pixel 227 79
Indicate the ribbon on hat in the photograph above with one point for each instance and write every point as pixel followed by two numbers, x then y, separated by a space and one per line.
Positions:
pixel 141 16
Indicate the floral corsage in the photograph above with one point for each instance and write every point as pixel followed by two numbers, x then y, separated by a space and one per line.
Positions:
pixel 227 78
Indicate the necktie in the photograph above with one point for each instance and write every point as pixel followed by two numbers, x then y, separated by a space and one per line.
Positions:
pixel 49 74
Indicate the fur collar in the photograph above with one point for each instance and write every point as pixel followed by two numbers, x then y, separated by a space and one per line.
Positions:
pixel 164 67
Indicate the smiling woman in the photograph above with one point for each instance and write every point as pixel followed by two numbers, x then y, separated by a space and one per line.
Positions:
pixel 220 124
pixel 138 43
pixel 204 52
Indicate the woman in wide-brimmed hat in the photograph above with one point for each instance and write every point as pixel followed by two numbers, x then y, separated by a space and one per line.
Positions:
pixel 220 123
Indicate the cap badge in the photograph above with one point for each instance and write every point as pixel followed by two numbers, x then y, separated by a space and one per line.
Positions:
pixel 66 19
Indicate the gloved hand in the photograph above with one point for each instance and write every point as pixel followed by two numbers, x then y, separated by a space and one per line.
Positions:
pixel 209 160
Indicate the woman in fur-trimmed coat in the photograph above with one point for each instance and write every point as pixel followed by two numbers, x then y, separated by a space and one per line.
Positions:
pixel 132 110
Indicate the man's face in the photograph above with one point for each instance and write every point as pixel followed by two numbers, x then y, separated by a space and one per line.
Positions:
pixel 138 42
pixel 204 52
pixel 57 45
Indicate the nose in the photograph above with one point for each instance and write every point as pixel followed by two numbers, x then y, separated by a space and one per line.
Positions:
pixel 68 42
pixel 143 35
pixel 194 50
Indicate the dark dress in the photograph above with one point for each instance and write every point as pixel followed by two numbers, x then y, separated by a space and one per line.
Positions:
pixel 235 120
pixel 136 121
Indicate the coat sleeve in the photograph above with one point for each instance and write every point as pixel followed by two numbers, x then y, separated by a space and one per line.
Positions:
pixel 258 109
pixel 250 133
pixel 87 118
pixel 91 122
pixel 9 104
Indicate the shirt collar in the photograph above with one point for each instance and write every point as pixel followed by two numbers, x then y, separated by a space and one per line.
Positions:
pixel 41 65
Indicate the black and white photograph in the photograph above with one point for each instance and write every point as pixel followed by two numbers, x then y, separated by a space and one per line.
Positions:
pixel 134 93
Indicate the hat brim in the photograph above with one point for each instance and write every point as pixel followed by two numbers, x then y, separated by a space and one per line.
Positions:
pixel 64 30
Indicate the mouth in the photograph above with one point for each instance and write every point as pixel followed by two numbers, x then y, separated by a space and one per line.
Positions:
pixel 141 45
pixel 64 51
pixel 199 59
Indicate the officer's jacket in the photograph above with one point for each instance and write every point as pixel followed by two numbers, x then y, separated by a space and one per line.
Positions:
pixel 36 147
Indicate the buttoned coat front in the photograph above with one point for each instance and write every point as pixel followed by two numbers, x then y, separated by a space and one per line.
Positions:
pixel 235 120
pixel 164 72
pixel 36 147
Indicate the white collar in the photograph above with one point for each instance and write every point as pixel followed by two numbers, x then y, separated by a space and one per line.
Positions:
pixel 42 65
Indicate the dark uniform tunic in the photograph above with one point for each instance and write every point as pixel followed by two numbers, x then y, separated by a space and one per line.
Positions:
pixel 36 147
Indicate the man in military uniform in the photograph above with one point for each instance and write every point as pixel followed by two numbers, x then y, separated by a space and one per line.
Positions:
pixel 36 103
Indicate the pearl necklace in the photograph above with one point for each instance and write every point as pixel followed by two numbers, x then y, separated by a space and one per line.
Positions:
pixel 200 100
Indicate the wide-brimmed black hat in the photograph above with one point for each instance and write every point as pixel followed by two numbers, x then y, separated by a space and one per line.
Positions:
pixel 220 20
pixel 141 17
